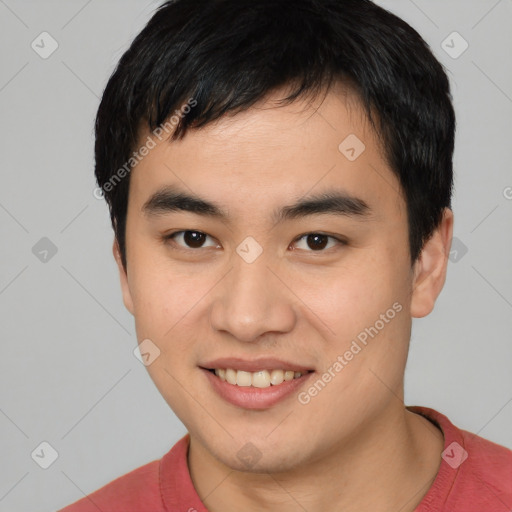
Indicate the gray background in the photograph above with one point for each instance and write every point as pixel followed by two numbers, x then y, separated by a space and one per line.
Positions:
pixel 67 372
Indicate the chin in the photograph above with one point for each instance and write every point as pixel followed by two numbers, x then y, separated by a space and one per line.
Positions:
pixel 258 454
pixel 274 463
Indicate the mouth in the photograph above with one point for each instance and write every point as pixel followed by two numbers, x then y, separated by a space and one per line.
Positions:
pixel 258 386
pixel 259 379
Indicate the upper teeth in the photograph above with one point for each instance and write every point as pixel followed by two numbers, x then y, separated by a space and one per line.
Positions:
pixel 261 379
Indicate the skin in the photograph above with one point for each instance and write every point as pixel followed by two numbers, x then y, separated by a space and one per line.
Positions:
pixel 293 303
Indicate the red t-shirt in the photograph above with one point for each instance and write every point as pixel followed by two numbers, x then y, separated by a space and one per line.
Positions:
pixel 475 476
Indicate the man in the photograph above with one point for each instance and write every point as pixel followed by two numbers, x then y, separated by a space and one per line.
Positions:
pixel 279 178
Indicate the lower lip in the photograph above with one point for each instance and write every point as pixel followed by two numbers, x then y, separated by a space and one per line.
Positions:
pixel 250 397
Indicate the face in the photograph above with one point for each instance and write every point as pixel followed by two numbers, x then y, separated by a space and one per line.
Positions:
pixel 244 283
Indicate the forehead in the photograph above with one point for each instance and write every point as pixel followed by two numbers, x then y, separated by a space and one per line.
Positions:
pixel 271 153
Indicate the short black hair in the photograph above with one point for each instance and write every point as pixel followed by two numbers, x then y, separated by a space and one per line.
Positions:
pixel 229 54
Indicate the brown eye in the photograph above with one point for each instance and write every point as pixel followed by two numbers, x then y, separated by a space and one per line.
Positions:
pixel 189 239
pixel 194 239
pixel 318 242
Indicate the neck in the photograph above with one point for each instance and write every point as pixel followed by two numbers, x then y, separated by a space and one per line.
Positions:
pixel 389 465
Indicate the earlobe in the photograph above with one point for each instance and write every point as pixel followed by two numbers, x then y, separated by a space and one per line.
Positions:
pixel 125 289
pixel 430 268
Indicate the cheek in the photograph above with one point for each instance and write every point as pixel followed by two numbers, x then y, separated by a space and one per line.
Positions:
pixel 351 297
pixel 156 295
pixel 364 305
pixel 160 302
pixel 167 301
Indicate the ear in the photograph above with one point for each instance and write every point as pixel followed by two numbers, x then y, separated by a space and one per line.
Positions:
pixel 430 268
pixel 125 288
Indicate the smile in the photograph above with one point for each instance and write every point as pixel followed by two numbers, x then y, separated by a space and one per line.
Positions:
pixel 259 379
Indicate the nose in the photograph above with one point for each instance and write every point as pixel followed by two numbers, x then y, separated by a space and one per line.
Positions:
pixel 252 301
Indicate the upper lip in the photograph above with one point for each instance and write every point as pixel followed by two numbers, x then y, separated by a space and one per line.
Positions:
pixel 254 365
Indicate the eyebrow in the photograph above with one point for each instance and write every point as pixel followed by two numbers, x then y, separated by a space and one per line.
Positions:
pixel 171 199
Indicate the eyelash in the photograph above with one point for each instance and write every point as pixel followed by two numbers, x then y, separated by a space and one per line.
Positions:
pixel 171 236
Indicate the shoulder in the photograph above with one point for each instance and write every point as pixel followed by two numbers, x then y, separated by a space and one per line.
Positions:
pixel 475 474
pixel 155 487
pixel 137 490
pixel 489 464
